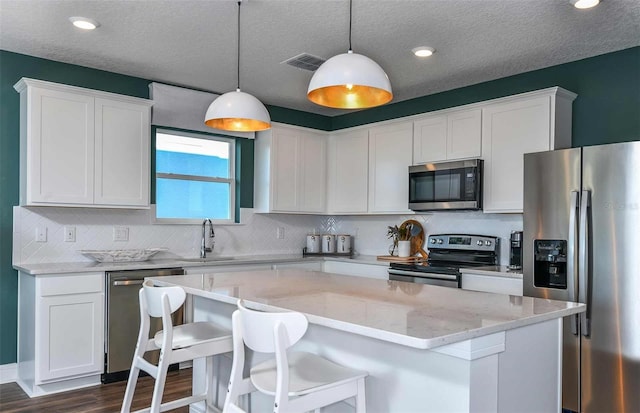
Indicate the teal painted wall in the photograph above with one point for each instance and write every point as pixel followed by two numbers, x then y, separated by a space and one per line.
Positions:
pixel 607 110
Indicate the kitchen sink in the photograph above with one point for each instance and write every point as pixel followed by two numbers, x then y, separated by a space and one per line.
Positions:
pixel 207 259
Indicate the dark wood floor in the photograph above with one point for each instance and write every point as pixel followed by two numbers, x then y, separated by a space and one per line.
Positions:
pixel 104 398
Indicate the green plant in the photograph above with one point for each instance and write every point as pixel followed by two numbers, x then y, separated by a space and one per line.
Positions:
pixel 398 233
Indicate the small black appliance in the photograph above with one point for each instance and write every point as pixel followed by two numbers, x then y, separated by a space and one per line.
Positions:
pixel 515 252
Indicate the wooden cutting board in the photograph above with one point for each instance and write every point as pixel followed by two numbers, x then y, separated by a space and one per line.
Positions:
pixel 417 241
pixel 400 259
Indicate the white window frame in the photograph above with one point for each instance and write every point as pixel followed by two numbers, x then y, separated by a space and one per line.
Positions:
pixel 231 180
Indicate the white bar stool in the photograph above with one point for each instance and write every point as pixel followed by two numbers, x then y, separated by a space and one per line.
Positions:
pixel 177 344
pixel 299 381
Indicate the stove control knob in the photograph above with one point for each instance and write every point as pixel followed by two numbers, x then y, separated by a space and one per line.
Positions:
pixel 439 240
pixel 433 240
pixel 487 243
pixel 479 242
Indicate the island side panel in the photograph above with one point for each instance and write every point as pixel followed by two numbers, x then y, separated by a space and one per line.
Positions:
pixel 530 371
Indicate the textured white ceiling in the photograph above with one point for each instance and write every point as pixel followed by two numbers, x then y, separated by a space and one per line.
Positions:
pixel 192 43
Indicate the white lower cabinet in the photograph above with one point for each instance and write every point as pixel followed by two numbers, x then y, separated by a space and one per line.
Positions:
pixel 60 331
pixel 308 266
pixel 498 284
pixel 227 268
pixel 358 269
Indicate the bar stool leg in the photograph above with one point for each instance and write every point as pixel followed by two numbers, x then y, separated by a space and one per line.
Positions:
pixel 130 390
pixel 158 388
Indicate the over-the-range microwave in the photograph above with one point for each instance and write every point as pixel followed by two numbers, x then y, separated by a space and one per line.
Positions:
pixel 455 185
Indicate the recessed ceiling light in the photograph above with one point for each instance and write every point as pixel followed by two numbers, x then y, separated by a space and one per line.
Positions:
pixel 423 51
pixel 584 4
pixel 84 22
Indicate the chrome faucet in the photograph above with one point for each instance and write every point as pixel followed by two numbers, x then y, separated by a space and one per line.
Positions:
pixel 212 235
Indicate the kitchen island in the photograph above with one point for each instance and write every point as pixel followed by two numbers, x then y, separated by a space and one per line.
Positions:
pixel 426 348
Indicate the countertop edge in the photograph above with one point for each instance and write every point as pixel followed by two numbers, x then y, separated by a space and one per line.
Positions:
pixel 91 266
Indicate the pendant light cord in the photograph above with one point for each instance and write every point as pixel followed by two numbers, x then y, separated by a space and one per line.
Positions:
pixel 239 3
pixel 350 14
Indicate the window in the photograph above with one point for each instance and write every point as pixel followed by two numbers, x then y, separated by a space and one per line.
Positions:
pixel 194 177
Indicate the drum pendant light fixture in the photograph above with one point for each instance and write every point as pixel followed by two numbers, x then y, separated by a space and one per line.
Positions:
pixel 237 111
pixel 350 81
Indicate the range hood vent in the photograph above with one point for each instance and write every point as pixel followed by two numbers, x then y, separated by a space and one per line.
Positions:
pixel 305 61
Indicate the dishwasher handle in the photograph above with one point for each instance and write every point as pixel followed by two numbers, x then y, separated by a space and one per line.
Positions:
pixel 127 282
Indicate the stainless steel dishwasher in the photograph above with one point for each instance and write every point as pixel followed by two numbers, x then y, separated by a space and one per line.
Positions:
pixel 123 320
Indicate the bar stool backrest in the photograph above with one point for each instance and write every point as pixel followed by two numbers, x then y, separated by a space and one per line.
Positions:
pixel 259 328
pixel 153 298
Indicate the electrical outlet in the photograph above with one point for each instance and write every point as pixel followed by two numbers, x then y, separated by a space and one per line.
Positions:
pixel 121 233
pixel 41 234
pixel 280 232
pixel 69 234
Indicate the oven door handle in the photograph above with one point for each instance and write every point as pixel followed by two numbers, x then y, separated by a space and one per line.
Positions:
pixel 435 276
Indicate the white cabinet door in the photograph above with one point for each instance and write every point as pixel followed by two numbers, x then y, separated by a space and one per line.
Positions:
pixel 430 139
pixel 122 136
pixel 464 134
pixel 312 167
pixel 449 136
pixel 532 122
pixel 72 342
pixel 66 330
pixel 348 171
pixel 284 169
pixel 58 144
pixel 294 160
pixel 390 155
pixel 510 130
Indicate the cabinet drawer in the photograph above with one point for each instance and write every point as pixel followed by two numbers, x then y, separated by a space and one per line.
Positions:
pixel 71 284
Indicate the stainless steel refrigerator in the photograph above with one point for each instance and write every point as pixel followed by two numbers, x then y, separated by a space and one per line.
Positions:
pixel 582 243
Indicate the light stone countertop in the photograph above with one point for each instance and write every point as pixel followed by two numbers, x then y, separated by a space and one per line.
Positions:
pixel 176 262
pixel 493 270
pixel 413 315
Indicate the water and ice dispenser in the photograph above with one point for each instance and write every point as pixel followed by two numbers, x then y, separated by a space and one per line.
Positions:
pixel 550 263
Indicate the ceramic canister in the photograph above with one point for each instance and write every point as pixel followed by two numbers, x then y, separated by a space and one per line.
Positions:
pixel 313 243
pixel 328 243
pixel 343 243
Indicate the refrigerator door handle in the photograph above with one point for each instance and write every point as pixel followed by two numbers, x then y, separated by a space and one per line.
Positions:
pixel 571 264
pixel 583 266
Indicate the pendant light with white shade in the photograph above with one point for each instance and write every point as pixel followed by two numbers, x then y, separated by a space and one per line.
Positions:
pixel 350 81
pixel 238 111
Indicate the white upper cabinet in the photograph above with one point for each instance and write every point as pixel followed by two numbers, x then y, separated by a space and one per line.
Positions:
pixel 81 147
pixel 290 170
pixel 390 155
pixel 348 172
pixel 530 122
pixel 447 136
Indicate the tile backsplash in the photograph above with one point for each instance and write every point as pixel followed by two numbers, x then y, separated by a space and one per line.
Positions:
pixel 256 235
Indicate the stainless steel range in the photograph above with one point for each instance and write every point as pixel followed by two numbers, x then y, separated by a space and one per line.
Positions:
pixel 447 254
